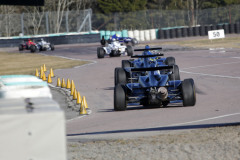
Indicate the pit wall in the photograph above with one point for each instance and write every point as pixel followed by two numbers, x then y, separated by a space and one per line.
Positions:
pixel 172 32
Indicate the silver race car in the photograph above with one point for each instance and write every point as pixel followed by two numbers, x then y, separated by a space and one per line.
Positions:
pixel 114 49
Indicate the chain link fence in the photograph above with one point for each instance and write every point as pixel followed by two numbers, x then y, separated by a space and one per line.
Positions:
pixel 85 21
pixel 149 19
pixel 38 23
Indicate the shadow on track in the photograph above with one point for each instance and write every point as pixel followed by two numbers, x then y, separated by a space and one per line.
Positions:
pixel 159 129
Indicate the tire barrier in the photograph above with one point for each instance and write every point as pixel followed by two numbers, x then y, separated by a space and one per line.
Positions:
pixel 172 33
pixel 226 28
pixel 184 32
pixel 124 33
pixel 152 34
pixel 213 27
pixel 237 28
pixel 231 28
pixel 107 34
pixel 136 34
pixel 147 35
pixel 202 30
pixel 166 34
pixel 219 26
pixel 160 34
pixel 196 31
pixel 178 32
pixel 130 33
pixel 190 31
pixel 141 35
pixel 207 28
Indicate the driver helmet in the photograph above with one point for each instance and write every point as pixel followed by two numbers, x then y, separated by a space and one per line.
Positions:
pixel 113 39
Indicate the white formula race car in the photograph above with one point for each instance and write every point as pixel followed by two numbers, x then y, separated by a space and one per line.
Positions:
pixel 113 49
pixel 42 45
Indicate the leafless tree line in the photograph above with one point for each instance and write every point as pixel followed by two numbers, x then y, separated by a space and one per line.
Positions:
pixel 10 16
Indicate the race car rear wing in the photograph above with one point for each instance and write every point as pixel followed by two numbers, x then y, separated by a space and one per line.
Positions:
pixel 151 68
pixel 148 49
pixel 145 56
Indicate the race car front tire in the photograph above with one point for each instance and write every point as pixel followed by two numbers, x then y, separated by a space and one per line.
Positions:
pixel 121 77
pixel 52 47
pixel 188 92
pixel 33 48
pixel 100 52
pixel 129 50
pixel 170 61
pixel 175 75
pixel 119 98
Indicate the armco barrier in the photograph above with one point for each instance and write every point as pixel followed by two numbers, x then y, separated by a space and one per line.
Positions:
pixel 66 39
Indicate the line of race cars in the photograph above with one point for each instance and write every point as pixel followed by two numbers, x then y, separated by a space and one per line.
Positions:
pixel 116 46
pixel 151 80
pixel 40 45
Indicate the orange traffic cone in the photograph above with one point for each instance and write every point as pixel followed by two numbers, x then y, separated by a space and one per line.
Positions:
pixel 72 90
pixel 49 78
pixel 83 109
pixel 44 77
pixel 58 82
pixel 72 84
pixel 75 94
pixel 85 102
pixel 68 84
pixel 41 72
pixel 44 68
pixel 36 73
pixel 51 72
pixel 63 83
pixel 79 99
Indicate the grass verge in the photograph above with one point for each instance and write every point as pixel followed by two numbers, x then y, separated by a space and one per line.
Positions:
pixel 27 63
pixel 228 42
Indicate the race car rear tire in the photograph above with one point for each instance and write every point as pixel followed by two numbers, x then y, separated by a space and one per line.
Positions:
pixel 20 47
pixel 188 92
pixel 33 48
pixel 119 98
pixel 129 50
pixel 126 63
pixel 170 61
pixel 121 77
pixel 175 75
pixel 52 47
pixel 100 52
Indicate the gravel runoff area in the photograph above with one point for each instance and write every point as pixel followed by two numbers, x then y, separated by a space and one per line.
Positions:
pixel 215 143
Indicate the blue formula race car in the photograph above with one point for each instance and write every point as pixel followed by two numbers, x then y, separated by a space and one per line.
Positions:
pixel 144 61
pixel 126 40
pixel 153 89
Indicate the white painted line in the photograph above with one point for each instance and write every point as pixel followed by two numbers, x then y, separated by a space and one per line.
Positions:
pixel 211 65
pixel 202 120
pixel 211 75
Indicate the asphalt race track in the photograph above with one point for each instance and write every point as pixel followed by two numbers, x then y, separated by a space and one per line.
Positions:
pixel 217 78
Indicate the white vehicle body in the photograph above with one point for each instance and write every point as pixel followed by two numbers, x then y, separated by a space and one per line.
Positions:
pixel 44 44
pixel 115 46
pixel 23 86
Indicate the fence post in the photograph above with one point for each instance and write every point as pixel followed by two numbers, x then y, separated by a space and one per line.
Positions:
pixel 22 23
pixel 66 16
pixel 90 19
pixel 47 26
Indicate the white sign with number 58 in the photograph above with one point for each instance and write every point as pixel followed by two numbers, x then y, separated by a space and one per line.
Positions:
pixel 215 34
